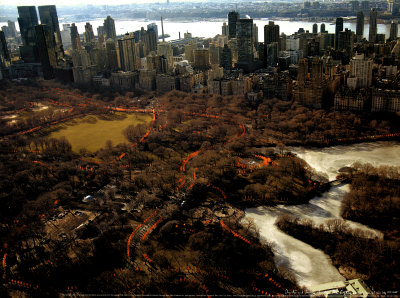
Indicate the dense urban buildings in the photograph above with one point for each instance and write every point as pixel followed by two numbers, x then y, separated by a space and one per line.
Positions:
pixel 317 68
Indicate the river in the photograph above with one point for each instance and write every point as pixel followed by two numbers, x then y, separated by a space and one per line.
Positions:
pixel 309 265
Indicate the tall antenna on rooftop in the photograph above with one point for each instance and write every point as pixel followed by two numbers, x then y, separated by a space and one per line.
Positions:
pixel 162 28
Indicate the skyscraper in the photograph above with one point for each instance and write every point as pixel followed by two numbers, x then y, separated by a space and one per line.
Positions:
pixel 4 54
pixel 112 57
pixel 225 30
pixel 360 25
pixel 255 35
pixel 201 59
pixel 27 21
pixel 338 28
pixel 75 38
pixel 154 27
pixel 151 39
pixel 47 50
pixel 271 54
pixel 226 58
pixel 6 31
pixel 245 42
pixel 11 28
pixel 48 16
pixel 100 34
pixel 165 49
pixel 346 42
pixel 66 35
pixel 316 72
pixel 394 29
pixel 109 28
pixel 372 25
pixel 88 36
pixel 323 28
pixel 302 72
pixel 127 53
pixel 271 33
pixel 361 69
pixel 233 18
pixel 315 28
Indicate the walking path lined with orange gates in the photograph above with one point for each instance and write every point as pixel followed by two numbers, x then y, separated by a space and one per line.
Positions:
pixel 4 262
pixel 151 229
pixel 233 232
pixel 190 156
pixel 194 179
pixel 182 168
pixel 221 191
pixel 135 231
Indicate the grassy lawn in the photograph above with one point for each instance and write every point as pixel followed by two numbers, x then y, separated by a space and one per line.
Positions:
pixel 92 132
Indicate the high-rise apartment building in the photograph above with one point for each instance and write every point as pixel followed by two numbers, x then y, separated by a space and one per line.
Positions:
pixel 12 29
pixel 233 18
pixel 47 50
pixel 66 36
pixel 27 21
pixel 154 27
pixel 338 28
pixel 6 31
pixel 309 90
pixel 201 59
pixel 75 38
pixel 127 53
pixel 4 53
pixel 315 28
pixel 88 35
pixel 245 42
pixel 147 40
pixel 394 29
pixel 165 49
pixel 360 26
pixel 189 48
pixel 271 54
pixel 346 41
pixel 323 28
pixel 109 28
pixel 215 53
pixel 48 16
pixel 255 35
pixel 372 25
pixel 271 33
pixel 360 72
pixel 225 30
pixel 226 58
pixel 100 34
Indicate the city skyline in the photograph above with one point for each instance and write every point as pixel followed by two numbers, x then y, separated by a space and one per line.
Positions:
pixel 89 2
